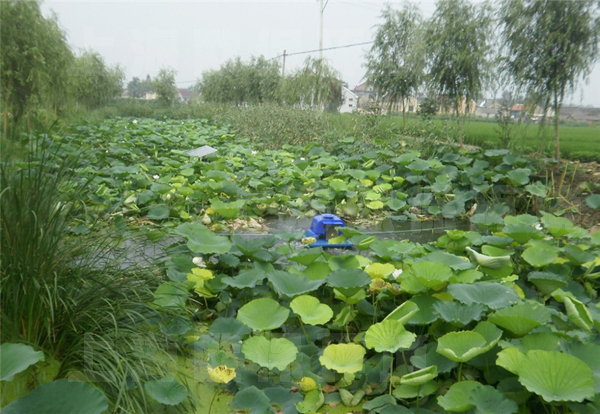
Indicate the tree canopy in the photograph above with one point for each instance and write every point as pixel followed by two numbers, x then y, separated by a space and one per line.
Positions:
pixel 550 45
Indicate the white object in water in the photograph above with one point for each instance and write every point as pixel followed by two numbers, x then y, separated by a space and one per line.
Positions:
pixel 202 151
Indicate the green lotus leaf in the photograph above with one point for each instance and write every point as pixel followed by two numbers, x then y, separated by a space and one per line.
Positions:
pixel 539 256
pixel 307 256
pixel 488 400
pixel 519 176
pixel 458 397
pixel 405 391
pixel 426 314
pixel 457 313
pixel 343 358
pixel 348 278
pixel 453 209
pixel 578 314
pixel 291 285
pixel 426 356
pixel 403 313
pixel 317 270
pixel 375 205
pixel 15 358
pixel 313 400
pixel 547 282
pixel 493 295
pixel 487 220
pixel 590 354
pixel 431 274
pixel 521 318
pixel 270 353
pixel 246 279
pixel 461 346
pixel 351 296
pixel 557 226
pixel 166 391
pixel 311 311
pixel 227 210
pixel 171 295
pixel 338 185
pixel 420 377
pixel 494 263
pixel 537 189
pixel 510 359
pixel 263 314
pixel 421 200
pixel 251 399
pixel 593 201
pixel 556 376
pixel 522 233
pixel 201 240
pixel 228 329
pixel 389 336
pixel 455 262
pixel 380 270
pixel 465 345
pixel 158 212
pixel 60 396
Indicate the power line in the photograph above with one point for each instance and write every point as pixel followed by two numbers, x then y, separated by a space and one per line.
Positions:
pixel 327 48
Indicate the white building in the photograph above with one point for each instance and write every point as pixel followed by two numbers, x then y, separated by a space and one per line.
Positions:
pixel 349 101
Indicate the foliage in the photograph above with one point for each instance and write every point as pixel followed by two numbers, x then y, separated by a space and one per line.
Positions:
pixel 164 86
pixel 95 83
pixel 550 45
pixel 139 88
pixel 66 292
pixel 241 83
pixel 315 85
pixel 395 64
pixel 458 52
pixel 34 63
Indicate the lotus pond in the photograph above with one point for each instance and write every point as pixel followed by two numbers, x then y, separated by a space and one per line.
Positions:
pixel 501 317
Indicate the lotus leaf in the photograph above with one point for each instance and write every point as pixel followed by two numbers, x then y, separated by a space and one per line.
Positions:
pixel 291 285
pixel 426 356
pixel 555 376
pixel 15 358
pixel 403 313
pixel 306 257
pixel 313 400
pixel 458 397
pixel 60 396
pixel 270 353
pixel 493 295
pixel 521 318
pixel 465 345
pixel 494 263
pixel 389 336
pixel 488 400
pixel 419 377
pixel 379 270
pixel 578 313
pixel 166 391
pixel 457 313
pixel 317 270
pixel 201 240
pixel 348 278
pixel 539 256
pixel 431 274
pixel 227 210
pixel 343 358
pixel 406 391
pixel 252 399
pixel 263 314
pixel 311 311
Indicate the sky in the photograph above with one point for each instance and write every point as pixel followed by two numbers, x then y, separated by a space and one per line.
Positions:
pixel 195 36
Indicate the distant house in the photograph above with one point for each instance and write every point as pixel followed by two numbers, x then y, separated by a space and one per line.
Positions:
pixel 150 96
pixel 576 114
pixel 184 95
pixel 349 101
pixel 486 112
pixel 366 94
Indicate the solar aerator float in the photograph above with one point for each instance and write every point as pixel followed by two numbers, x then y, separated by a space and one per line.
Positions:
pixel 323 229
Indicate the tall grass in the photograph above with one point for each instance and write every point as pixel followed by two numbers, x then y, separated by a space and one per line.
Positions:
pixel 67 295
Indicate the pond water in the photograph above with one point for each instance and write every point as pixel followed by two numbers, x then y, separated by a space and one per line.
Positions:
pixel 415 231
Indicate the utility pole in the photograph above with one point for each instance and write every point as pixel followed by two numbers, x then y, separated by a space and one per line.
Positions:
pixel 283 66
pixel 322 9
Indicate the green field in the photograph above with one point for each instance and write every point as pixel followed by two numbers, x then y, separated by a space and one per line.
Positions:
pixel 578 142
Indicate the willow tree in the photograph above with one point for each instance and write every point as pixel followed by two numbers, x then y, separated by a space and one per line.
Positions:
pixel 550 45
pixel 316 85
pixel 458 52
pixel 395 64
pixel 164 86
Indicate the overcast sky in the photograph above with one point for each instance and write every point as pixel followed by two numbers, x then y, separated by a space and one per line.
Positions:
pixel 195 36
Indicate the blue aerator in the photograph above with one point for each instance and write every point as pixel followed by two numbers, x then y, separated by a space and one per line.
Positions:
pixel 323 228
